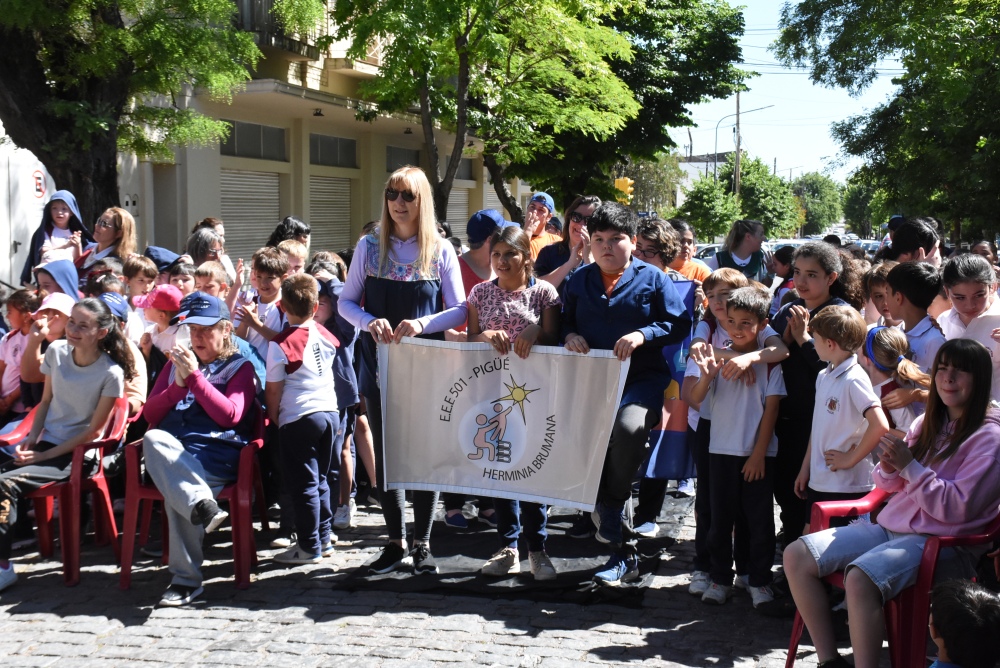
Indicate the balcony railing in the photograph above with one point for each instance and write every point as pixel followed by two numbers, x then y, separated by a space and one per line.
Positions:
pixel 257 17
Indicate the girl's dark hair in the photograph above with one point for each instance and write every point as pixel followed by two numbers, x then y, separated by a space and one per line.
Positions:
pixel 785 254
pixel 515 237
pixel 968 268
pixel 966 617
pixel 114 343
pixel 681 226
pixel 578 201
pixel 289 228
pixel 965 355
pixel 848 284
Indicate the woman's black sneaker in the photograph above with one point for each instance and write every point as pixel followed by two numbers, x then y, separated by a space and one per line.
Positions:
pixel 423 560
pixel 208 514
pixel 392 557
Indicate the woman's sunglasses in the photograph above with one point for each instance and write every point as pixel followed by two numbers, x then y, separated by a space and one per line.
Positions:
pixel 391 195
pixel 577 218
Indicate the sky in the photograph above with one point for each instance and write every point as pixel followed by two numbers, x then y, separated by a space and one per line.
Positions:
pixel 796 130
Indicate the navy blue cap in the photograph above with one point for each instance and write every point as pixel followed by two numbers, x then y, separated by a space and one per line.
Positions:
pixel 116 303
pixel 484 223
pixel 161 257
pixel 199 308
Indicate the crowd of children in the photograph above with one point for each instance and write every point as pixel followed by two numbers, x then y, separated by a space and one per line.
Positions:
pixel 823 364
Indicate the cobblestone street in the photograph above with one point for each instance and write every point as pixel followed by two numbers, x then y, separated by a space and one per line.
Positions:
pixel 295 618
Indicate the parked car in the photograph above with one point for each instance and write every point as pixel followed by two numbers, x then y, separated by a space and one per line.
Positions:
pixel 706 251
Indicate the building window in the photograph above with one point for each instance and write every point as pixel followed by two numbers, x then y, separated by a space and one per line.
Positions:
pixel 332 151
pixel 249 140
pixel 396 157
pixel 464 169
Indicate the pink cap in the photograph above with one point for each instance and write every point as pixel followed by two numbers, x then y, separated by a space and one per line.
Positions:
pixel 57 301
pixel 163 297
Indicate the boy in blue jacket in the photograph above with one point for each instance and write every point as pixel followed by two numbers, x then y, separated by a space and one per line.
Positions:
pixel 622 304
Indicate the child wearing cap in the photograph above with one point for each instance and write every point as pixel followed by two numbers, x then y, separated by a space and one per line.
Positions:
pixel 159 306
pixel 541 207
pixel 49 324
pixel 19 307
pixel 163 259
pixel 301 399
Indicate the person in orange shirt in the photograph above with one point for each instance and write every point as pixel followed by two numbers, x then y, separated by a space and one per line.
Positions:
pixel 541 207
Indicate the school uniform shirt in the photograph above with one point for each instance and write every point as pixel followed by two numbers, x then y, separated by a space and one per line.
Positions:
pixel 11 352
pixel 843 395
pixel 268 314
pixel 744 407
pixel 979 329
pixel 302 357
pixel 925 340
pixel 164 340
pixel 899 418
pixel 719 338
pixel 134 327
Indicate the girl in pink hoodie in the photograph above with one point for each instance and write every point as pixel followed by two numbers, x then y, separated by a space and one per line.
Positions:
pixel 945 478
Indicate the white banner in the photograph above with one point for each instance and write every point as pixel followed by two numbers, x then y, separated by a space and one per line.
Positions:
pixel 460 418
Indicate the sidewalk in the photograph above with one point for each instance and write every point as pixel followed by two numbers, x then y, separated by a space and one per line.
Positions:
pixel 292 617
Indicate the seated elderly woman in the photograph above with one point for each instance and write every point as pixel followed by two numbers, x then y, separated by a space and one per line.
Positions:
pixel 200 417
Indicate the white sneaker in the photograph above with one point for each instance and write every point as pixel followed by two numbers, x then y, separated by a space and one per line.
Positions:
pixel 700 581
pixel 761 595
pixel 541 566
pixel 717 594
pixel 344 517
pixel 742 582
pixel 7 576
pixel 504 562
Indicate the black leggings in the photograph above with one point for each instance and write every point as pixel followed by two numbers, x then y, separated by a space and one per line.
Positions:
pixel 17 481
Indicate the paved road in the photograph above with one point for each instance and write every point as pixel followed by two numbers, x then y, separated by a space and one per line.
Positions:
pixel 295 618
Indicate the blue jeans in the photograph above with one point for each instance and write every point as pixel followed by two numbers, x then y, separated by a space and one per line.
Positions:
pixel 509 518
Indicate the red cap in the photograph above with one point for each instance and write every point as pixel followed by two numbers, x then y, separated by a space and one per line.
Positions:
pixel 163 297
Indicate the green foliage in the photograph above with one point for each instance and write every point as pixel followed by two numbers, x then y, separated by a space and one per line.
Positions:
pixel 820 198
pixel 710 208
pixel 684 52
pixel 866 208
pixel 934 147
pixel 763 196
pixel 656 183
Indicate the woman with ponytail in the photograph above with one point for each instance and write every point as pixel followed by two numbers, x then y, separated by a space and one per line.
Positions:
pixel 84 375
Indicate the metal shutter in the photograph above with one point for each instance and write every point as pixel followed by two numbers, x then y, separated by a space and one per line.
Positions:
pixel 250 210
pixel 329 213
pixel 493 202
pixel 458 212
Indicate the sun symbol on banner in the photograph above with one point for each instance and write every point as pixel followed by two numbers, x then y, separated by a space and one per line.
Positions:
pixel 518 394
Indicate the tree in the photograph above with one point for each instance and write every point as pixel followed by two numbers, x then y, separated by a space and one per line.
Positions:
pixel 820 196
pixel 866 208
pixel 935 145
pixel 763 196
pixel 710 208
pixel 501 69
pixel 684 52
pixel 81 80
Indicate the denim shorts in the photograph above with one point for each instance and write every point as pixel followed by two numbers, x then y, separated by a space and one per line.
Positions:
pixel 891 560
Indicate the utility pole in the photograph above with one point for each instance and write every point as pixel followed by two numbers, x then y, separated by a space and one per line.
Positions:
pixel 774 172
pixel 736 176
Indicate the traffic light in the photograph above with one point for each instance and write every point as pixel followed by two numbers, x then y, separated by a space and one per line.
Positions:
pixel 624 185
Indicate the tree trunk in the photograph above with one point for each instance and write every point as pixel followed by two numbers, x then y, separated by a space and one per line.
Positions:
pixel 498 174
pixel 71 128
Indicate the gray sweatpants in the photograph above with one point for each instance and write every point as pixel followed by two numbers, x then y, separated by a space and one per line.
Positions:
pixel 183 482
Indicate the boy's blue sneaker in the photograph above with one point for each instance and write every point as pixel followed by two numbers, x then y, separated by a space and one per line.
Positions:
pixel 609 523
pixel 620 568
pixel 456 521
pixel 647 529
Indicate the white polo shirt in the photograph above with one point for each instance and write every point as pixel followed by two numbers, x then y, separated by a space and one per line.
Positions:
pixel 925 339
pixel 719 340
pixel 843 395
pixel 743 408
pixel 979 329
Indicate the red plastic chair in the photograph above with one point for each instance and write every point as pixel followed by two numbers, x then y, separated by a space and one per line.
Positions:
pixel 70 492
pixel 907 614
pixel 141 496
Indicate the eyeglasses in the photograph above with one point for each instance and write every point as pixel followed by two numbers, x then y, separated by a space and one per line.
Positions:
pixel 391 195
pixel 108 225
pixel 647 253
pixel 577 218
pixel 216 252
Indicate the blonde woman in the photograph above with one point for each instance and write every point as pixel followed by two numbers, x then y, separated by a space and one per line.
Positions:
pixel 410 282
